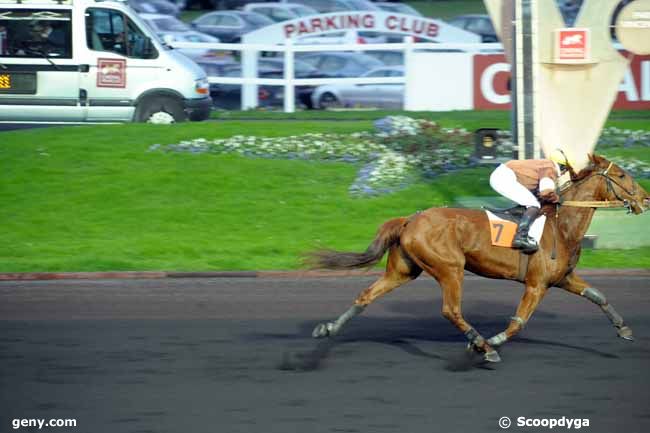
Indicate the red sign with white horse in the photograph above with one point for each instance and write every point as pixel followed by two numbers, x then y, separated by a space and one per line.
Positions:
pixel 492 75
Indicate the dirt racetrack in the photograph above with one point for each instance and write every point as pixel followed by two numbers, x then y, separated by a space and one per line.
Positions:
pixel 235 355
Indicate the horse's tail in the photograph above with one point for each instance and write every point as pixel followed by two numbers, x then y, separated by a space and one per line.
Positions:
pixel 387 236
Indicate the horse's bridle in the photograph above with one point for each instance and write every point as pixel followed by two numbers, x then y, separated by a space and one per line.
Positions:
pixel 619 202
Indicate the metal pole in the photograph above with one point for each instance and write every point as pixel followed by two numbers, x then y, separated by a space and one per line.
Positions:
pixel 525 103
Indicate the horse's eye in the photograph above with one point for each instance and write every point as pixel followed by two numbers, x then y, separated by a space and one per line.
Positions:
pixel 622 175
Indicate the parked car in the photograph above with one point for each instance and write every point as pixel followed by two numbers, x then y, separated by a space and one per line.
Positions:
pixel 228 96
pixel 481 24
pixel 217 67
pixel 369 95
pixel 229 26
pixel 326 6
pixel 278 11
pixel 301 70
pixel 218 4
pixel 388 57
pixel 171 30
pixel 163 7
pixel 340 64
pixel 192 36
pixel 160 24
pixel 398 8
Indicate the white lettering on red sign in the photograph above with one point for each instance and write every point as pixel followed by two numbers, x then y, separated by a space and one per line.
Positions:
pixel 111 73
pixel 487 84
pixel 573 44
pixel 492 72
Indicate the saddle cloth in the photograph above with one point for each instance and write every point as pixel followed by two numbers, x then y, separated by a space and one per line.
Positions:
pixel 503 226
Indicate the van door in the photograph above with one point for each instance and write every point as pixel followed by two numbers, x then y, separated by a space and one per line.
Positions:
pixel 121 64
pixel 39 80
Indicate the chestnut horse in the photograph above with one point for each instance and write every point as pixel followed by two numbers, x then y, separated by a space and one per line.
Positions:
pixel 444 242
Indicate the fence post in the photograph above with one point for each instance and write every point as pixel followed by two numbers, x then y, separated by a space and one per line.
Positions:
pixel 249 94
pixel 289 75
pixel 408 65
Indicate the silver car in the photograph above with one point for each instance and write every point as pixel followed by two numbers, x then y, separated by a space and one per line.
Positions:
pixel 280 11
pixel 363 95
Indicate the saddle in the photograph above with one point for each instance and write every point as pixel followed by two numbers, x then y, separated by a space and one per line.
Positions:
pixel 504 222
pixel 513 214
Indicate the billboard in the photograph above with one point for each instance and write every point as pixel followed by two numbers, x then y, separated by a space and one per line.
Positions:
pixel 492 76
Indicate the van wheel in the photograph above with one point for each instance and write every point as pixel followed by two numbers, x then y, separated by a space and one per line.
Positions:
pixel 328 100
pixel 160 110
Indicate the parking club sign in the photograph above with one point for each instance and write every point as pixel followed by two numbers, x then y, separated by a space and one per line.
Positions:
pixel 572 45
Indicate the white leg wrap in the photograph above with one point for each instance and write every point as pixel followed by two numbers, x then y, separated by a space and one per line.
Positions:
pixel 498 339
pixel 519 320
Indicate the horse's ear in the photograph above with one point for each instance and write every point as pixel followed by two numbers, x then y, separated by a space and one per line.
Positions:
pixel 597 160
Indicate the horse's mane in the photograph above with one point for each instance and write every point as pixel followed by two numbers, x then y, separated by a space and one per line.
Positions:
pixel 595 162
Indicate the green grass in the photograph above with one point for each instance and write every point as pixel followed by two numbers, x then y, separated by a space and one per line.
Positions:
pixel 471 120
pixel 636 258
pixel 93 198
pixel 618 230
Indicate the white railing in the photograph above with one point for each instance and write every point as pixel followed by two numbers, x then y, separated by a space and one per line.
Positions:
pixel 250 54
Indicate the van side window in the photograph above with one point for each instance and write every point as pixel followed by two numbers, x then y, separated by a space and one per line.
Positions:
pixel 35 33
pixel 110 30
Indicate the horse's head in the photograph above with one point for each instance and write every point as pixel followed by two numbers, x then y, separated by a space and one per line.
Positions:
pixel 614 183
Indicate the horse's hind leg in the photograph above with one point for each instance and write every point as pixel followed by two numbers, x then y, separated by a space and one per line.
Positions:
pixel 449 275
pixel 399 270
pixel 451 282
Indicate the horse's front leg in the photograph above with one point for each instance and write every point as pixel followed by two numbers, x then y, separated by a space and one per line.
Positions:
pixel 529 302
pixel 576 285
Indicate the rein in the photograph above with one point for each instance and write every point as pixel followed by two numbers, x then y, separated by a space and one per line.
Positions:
pixel 595 204
pixel 602 203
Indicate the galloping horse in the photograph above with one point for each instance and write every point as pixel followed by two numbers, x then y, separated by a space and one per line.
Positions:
pixel 444 242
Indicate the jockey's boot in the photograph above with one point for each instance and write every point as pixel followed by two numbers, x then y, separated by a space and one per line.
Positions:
pixel 522 241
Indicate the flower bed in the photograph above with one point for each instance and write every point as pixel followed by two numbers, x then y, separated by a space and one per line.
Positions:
pixel 393 156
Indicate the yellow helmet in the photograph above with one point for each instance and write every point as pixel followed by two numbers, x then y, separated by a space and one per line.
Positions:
pixel 560 157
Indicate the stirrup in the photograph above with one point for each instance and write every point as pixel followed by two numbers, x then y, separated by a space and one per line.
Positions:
pixel 526 244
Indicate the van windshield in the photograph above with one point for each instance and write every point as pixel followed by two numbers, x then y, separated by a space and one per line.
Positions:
pixel 35 33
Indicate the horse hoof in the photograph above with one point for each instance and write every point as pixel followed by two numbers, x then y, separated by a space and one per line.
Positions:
pixel 625 333
pixel 492 356
pixel 321 331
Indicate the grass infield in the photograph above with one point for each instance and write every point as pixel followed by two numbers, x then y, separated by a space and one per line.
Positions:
pixel 93 198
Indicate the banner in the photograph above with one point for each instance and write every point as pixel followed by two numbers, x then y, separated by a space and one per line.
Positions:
pixel 492 91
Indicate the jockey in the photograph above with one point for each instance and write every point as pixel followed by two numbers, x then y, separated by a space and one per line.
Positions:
pixel 519 180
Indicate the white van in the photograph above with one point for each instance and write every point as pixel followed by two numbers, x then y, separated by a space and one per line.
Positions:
pixel 92 61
